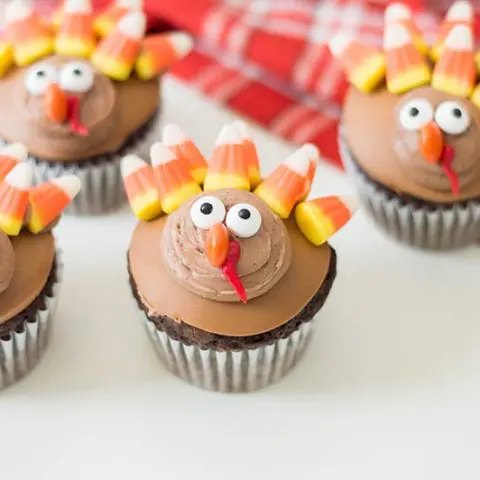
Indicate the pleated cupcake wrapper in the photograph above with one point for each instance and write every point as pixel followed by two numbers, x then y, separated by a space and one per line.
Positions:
pixel 23 350
pixel 102 185
pixel 440 228
pixel 242 371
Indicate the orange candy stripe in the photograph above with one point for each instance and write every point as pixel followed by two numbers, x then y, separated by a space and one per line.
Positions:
pixel 77 25
pixel 160 51
pixel 402 59
pixel 229 158
pixel 49 201
pixel 330 205
pixel 355 54
pixel 171 176
pixel 13 202
pixel 6 165
pixel 140 181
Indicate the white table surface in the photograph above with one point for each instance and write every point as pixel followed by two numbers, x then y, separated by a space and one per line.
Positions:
pixel 390 388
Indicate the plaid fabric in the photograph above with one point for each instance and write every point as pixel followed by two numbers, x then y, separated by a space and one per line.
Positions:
pixel 267 59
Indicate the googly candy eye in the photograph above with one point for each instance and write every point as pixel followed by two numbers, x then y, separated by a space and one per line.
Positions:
pixel 39 77
pixel 207 211
pixel 415 114
pixel 452 117
pixel 244 220
pixel 77 77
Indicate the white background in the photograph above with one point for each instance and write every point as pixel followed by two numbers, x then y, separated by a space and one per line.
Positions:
pixel 390 388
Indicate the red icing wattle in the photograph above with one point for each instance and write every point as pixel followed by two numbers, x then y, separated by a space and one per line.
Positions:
pixel 74 117
pixel 446 161
pixel 229 270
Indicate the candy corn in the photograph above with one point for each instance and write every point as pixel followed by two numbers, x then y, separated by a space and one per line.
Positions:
pixel 11 156
pixel 57 17
pixel 105 23
pixel 314 156
pixel 400 13
pixel 406 67
pixel 184 149
pixel 321 218
pixel 455 71
pixel 460 13
pixel 285 186
pixel 476 96
pixel 160 52
pixel 175 185
pixel 250 153
pixel 116 54
pixel 6 57
pixel 363 65
pixel 228 167
pixel 14 198
pixel 24 30
pixel 139 182
pixel 76 37
pixel 49 200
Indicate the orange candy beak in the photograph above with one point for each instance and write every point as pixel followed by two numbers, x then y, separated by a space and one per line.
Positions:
pixel 216 245
pixel 431 142
pixel 56 104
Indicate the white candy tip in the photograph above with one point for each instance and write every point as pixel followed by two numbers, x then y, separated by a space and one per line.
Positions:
pixel 160 154
pixel 18 151
pixel 20 177
pixel 242 129
pixel 70 184
pixel 133 25
pixel 312 151
pixel 397 12
pixel 172 135
pixel 298 161
pixel 130 164
pixel 229 136
pixel 182 43
pixel 461 10
pixel 396 36
pixel 77 6
pixel 16 10
pixel 351 202
pixel 339 43
pixel 460 38
pixel 130 4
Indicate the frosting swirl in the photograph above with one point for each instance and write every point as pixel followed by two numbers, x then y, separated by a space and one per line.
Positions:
pixel 464 147
pixel 264 258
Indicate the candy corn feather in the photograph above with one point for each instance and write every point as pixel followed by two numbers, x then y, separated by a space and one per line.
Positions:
pixel 321 218
pixel 106 21
pixel 250 152
pixel 10 156
pixel 140 187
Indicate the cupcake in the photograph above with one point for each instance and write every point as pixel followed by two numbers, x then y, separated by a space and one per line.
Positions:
pixel 227 271
pixel 30 265
pixel 410 131
pixel 80 102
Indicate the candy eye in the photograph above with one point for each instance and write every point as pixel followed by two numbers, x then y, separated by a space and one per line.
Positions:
pixel 207 211
pixel 244 220
pixel 452 118
pixel 39 77
pixel 77 77
pixel 415 114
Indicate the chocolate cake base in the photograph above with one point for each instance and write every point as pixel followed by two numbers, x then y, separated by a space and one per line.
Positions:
pixel 102 185
pixel 194 336
pixel 415 221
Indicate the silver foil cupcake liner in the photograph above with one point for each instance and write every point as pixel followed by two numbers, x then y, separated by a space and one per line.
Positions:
pixel 23 349
pixel 102 185
pixel 441 227
pixel 242 371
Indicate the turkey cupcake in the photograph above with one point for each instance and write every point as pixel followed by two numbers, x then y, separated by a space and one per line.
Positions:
pixel 228 272
pixel 83 95
pixel 30 264
pixel 410 134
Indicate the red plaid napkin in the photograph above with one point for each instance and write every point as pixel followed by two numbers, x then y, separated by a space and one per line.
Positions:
pixel 267 59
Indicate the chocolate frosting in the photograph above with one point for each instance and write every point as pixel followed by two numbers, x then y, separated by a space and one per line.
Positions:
pixel 7 261
pixel 111 111
pixel 165 296
pixel 264 258
pixel 34 256
pixel 390 155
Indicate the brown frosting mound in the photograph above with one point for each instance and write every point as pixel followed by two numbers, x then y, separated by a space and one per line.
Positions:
pixel 111 111
pixel 7 261
pixel 390 155
pixel 163 295
pixel 264 259
pixel 34 256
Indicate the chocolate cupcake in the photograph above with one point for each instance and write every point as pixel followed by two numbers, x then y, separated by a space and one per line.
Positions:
pixel 227 283
pixel 30 265
pixel 80 106
pixel 412 144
